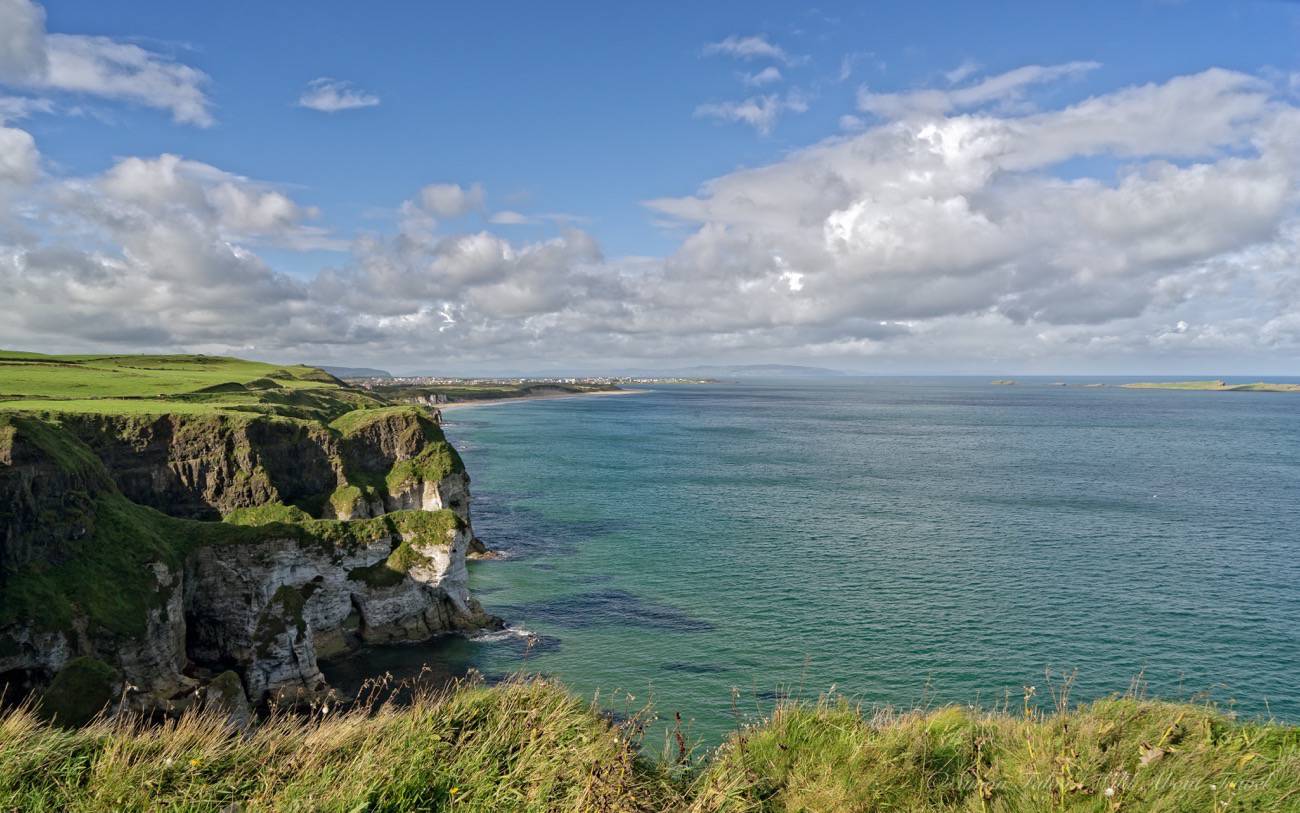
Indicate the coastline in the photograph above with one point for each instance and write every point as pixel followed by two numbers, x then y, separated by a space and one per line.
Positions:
pixel 497 401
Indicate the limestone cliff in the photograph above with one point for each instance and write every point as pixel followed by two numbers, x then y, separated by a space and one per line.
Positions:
pixel 174 548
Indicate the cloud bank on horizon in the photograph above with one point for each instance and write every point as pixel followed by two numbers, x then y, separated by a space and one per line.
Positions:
pixel 958 225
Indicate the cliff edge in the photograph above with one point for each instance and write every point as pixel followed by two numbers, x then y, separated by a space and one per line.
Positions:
pixel 162 548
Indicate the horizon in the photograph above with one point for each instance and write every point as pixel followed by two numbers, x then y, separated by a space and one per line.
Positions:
pixel 894 192
pixel 823 373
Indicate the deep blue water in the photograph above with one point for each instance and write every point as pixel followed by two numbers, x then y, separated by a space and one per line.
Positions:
pixel 902 541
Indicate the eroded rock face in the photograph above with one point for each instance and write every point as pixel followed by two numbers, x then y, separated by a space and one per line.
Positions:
pixel 450 492
pixel 261 605
pixel 157 660
pixel 206 466
pixel 267 608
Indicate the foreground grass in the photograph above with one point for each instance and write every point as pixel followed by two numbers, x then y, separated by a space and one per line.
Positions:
pixel 520 746
pixel 530 746
pixel 1112 755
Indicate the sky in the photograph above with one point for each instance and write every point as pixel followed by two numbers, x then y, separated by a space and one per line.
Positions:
pixel 883 188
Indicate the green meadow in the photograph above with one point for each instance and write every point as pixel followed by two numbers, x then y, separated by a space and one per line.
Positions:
pixel 179 384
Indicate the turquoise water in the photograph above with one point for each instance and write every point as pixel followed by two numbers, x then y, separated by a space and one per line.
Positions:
pixel 923 541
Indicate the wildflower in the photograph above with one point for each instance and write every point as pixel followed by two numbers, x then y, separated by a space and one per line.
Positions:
pixel 1109 792
pixel 194 763
pixel 454 790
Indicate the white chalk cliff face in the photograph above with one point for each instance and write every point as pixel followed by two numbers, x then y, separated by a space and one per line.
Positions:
pixel 274 608
pixel 257 605
pixel 451 491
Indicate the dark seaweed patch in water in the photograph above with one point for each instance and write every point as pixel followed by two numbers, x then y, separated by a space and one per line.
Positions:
pixel 782 695
pixel 692 668
pixel 503 529
pixel 519 530
pixel 598 526
pixel 601 607
pixel 590 578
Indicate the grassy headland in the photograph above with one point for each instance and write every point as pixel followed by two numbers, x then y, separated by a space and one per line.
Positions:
pixel 181 384
pixel 1213 386
pixel 104 577
pixel 114 472
pixel 531 746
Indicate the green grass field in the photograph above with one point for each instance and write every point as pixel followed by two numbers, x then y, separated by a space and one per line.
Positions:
pixel 35 376
pixel 182 384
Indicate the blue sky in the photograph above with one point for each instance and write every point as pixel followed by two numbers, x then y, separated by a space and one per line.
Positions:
pixel 575 116
pixel 588 109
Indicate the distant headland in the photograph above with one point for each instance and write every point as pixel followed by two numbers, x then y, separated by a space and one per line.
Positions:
pixel 1213 386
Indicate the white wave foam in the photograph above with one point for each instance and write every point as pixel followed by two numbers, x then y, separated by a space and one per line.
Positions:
pixel 506 634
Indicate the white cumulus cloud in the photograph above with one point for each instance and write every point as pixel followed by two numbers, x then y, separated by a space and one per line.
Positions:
pixel 22 40
pixel 767 76
pixel 752 47
pixel 332 95
pixel 942 240
pixel 507 217
pixel 452 200
pixel 759 112
pixel 1003 87
pixel 96 66
pixel 19 158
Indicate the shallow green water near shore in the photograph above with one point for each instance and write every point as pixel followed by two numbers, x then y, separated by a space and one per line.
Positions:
pixel 905 542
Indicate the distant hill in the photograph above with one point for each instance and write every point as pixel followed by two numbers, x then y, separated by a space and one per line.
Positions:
pixel 757 371
pixel 354 372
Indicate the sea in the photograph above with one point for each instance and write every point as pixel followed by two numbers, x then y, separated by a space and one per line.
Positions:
pixel 712 550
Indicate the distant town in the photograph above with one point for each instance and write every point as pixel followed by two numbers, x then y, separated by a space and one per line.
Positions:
pixel 375 382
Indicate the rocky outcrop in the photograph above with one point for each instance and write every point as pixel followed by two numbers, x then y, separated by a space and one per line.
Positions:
pixel 271 609
pixel 109 548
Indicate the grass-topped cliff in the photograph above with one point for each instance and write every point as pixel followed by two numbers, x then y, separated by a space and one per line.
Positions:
pixel 530 746
pixel 167 519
